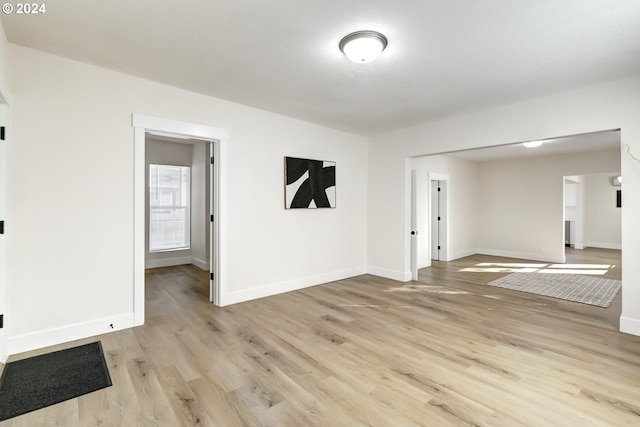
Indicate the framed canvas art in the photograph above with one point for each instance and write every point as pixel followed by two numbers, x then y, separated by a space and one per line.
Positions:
pixel 309 184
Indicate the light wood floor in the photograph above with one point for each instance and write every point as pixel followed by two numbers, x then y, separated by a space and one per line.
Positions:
pixel 454 275
pixel 445 351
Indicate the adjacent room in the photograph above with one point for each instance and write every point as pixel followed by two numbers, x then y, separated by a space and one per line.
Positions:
pixel 543 215
pixel 315 214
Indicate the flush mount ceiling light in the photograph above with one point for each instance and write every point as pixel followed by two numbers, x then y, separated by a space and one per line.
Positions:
pixel 533 144
pixel 363 46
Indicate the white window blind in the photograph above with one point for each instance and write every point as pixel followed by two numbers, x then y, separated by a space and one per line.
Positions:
pixel 169 207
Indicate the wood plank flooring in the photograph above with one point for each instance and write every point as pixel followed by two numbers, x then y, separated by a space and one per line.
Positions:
pixel 444 351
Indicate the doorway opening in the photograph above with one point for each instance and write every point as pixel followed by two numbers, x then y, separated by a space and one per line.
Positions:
pixel 507 206
pixel 592 216
pixel 176 130
pixel 177 208
pixel 429 219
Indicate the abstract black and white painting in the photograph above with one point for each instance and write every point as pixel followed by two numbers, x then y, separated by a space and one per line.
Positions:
pixel 309 183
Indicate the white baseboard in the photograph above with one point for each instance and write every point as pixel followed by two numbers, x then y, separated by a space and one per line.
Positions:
pixel 629 325
pixel 448 257
pixel 520 255
pixel 167 262
pixel 603 245
pixel 170 262
pixel 228 298
pixel 400 276
pixel 45 338
pixel 462 254
pixel 424 264
pixel 203 265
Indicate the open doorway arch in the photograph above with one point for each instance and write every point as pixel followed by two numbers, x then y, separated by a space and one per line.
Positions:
pixel 173 128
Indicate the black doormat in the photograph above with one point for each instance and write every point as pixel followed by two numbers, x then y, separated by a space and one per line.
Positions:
pixel 40 381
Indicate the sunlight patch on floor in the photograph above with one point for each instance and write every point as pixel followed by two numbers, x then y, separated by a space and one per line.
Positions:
pixel 520 267
pixel 511 264
pixel 501 269
pixel 588 266
pixel 578 271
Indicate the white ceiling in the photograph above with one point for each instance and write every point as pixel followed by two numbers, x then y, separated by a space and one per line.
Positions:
pixel 596 141
pixel 445 57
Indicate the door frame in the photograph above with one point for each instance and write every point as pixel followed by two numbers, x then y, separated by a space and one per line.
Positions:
pixel 4 163
pixel 214 229
pixel 434 200
pixel 174 128
pixel 414 225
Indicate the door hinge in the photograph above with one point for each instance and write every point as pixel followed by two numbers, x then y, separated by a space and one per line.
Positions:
pixel 212 276
pixel 2 133
pixel 212 160
pixel 211 218
pixel 1 321
pixel 1 227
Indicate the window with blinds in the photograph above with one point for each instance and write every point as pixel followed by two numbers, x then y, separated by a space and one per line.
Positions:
pixel 169 207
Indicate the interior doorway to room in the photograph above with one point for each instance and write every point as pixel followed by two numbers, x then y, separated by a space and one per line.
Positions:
pixel 494 194
pixel 167 128
pixel 429 219
pixel 592 212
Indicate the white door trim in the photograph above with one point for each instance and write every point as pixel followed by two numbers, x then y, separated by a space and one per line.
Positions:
pixel 177 129
pixel 214 229
pixel 4 121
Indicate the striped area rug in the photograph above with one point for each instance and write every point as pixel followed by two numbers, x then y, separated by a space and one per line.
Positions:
pixel 573 287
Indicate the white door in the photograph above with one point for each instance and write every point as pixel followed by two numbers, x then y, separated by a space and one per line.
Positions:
pixel 435 220
pixel 3 263
pixel 212 248
pixel 414 231
pixel 214 230
pixel 438 223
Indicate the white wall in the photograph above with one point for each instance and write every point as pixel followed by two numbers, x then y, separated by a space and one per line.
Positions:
pixel 521 213
pixel 462 204
pixel 614 105
pixel 603 220
pixel 72 217
pixel 160 152
pixel 5 89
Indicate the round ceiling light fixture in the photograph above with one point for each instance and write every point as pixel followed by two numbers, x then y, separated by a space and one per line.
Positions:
pixel 363 46
pixel 533 144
